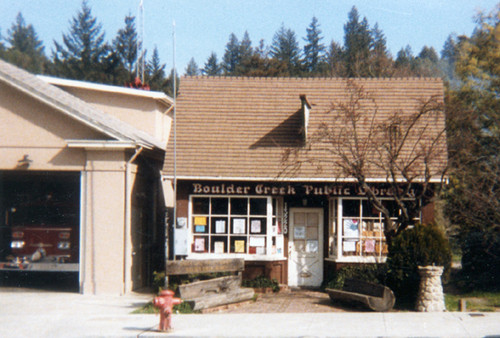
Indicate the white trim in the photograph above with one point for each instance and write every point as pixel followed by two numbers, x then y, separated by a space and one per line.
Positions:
pixel 246 257
pixel 295 179
pixel 106 88
pixel 102 145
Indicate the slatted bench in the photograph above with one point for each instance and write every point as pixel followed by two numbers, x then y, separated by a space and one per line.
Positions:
pixel 375 296
pixel 213 292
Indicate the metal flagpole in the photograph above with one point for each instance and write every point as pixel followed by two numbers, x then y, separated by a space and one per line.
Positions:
pixel 174 221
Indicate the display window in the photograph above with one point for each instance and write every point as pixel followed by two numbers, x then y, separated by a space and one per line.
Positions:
pixel 239 226
pixel 357 230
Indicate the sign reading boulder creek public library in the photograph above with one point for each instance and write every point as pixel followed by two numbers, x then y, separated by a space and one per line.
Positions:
pixel 287 189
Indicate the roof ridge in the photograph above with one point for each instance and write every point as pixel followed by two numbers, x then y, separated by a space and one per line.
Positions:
pixel 312 78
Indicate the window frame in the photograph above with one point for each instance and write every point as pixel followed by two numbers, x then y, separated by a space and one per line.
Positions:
pixel 337 236
pixel 271 231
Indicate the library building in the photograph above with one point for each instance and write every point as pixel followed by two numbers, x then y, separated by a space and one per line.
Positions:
pixel 262 169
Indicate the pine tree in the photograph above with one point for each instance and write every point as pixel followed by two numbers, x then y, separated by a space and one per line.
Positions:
pixel 232 56
pixel 450 49
pixel 125 45
pixel 192 68
pixel 84 50
pixel 357 42
pixel 212 66
pixel 26 50
pixel 285 49
pixel 334 57
pixel 428 53
pixel 155 73
pixel 380 64
pixel 313 50
pixel 405 63
pixel 246 54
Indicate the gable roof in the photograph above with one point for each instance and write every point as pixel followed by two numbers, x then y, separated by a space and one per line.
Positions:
pixel 74 107
pixel 238 128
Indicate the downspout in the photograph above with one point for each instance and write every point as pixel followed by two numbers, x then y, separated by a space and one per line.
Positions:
pixel 128 222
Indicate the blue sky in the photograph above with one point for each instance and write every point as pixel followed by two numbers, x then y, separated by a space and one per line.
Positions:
pixel 203 26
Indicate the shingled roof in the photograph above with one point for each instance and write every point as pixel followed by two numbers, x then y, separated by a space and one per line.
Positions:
pixel 239 128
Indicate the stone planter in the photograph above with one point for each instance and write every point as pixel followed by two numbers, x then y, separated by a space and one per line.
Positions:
pixel 430 296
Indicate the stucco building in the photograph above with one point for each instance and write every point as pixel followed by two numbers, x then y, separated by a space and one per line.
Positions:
pixel 93 153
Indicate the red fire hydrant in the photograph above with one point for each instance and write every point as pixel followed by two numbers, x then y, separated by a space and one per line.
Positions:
pixel 165 302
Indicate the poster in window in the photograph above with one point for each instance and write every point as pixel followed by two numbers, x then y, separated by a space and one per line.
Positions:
pixel 200 221
pixel 255 226
pixel 199 244
pixel 351 228
pixel 238 226
pixel 312 246
pixel 257 241
pixel 299 232
pixel 279 245
pixel 220 226
pixel 239 246
pixel 370 245
pixel 219 247
pixel 199 228
pixel 349 246
pixel 261 250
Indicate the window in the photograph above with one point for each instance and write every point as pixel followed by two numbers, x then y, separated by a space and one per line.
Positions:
pixel 358 229
pixel 236 225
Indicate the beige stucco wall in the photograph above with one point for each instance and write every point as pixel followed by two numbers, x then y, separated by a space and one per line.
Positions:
pixel 145 113
pixel 29 127
pixel 103 237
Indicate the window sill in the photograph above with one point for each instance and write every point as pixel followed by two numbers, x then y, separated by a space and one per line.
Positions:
pixel 244 256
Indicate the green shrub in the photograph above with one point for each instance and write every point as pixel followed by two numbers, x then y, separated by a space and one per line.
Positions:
pixel 374 273
pixel 262 282
pixel 417 246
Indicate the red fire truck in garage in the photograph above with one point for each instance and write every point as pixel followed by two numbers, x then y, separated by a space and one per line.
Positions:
pixel 39 229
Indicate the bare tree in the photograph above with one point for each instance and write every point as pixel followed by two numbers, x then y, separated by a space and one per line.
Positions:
pixel 405 151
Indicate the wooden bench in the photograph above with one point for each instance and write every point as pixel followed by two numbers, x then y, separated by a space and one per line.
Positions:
pixel 212 292
pixel 375 296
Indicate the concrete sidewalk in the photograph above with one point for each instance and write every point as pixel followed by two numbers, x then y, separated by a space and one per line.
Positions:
pixel 51 314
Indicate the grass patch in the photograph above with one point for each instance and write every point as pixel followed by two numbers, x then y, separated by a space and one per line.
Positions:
pixel 477 301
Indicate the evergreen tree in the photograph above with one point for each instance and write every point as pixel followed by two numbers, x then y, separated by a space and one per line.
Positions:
pixel 192 68
pixel 380 64
pixel 155 73
pixel 313 50
pixel 84 53
pixel 285 49
pixel 450 49
pixel 212 66
pixel 405 62
pixel 357 42
pixel 245 55
pixel 232 56
pixel 25 49
pixel 334 56
pixel 125 45
pixel 428 53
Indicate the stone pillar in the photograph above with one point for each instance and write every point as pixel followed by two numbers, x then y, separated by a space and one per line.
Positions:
pixel 430 295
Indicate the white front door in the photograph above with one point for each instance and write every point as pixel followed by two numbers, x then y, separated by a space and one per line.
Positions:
pixel 305 247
